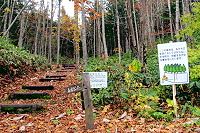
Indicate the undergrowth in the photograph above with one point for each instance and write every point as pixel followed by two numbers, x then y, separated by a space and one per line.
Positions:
pixel 15 60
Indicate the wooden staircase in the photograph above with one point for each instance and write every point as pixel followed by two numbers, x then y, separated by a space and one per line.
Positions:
pixel 33 95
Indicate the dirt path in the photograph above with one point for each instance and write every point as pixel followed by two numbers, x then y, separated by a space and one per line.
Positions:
pixel 63 113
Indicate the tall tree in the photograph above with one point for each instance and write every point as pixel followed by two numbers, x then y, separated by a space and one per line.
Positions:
pixel 58 35
pixel 37 32
pixel 99 42
pixel 177 19
pixel 84 45
pixel 118 31
pixel 170 20
pixel 76 39
pixel 103 32
pixel 130 23
pixel 22 29
pixel 50 34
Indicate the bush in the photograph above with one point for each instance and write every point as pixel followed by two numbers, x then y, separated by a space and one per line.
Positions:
pixel 122 78
pixel 15 60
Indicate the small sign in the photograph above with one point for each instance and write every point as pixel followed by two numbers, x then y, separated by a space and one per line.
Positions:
pixel 173 63
pixel 74 88
pixel 98 79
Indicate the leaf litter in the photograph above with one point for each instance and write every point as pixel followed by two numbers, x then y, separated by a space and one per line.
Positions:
pixel 55 118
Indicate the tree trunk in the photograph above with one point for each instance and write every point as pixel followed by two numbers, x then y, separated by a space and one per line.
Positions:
pixel 135 23
pixel 127 46
pixel 6 17
pixel 76 37
pixel 170 21
pixel 37 34
pixel 84 45
pixel 5 33
pixel 11 14
pixel 131 27
pixel 58 35
pixel 98 46
pixel 22 30
pixel 94 40
pixel 103 32
pixel 177 19
pixel 118 32
pixel 50 34
pixel 43 28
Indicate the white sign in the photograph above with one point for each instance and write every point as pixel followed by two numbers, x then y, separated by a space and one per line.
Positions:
pixel 98 79
pixel 173 63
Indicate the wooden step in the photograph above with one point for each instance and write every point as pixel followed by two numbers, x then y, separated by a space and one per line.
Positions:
pixel 28 95
pixel 64 70
pixel 50 79
pixel 68 68
pixel 68 65
pixel 56 76
pixel 50 87
pixel 34 106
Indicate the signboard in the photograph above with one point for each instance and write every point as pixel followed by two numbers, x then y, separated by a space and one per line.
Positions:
pixel 98 79
pixel 173 63
pixel 74 88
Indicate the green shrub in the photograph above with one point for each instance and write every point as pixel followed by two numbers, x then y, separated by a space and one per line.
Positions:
pixel 16 60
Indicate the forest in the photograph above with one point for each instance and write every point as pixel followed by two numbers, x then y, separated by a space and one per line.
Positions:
pixel 120 37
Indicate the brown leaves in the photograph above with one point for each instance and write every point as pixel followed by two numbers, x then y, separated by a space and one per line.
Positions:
pixel 64 114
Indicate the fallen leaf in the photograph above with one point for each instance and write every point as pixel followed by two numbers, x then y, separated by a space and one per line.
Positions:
pixel 123 115
pixel 22 128
pixel 110 125
pixel 197 130
pixel 15 127
pixel 106 120
pixel 60 116
pixel 105 109
pixel 30 124
pixel 170 127
pixel 17 118
pixel 78 117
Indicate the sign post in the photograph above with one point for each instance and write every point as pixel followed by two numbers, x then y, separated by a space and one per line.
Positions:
pixel 173 65
pixel 88 101
pixel 90 80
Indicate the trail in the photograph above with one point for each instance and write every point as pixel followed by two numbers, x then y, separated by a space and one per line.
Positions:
pixel 63 112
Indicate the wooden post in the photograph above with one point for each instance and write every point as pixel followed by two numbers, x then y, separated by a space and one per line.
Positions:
pixel 88 101
pixel 82 101
pixel 174 95
pixel 174 99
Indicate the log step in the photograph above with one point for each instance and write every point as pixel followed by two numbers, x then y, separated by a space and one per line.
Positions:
pixel 68 68
pixel 56 76
pixel 28 95
pixel 68 65
pixel 50 87
pixel 50 79
pixel 64 70
pixel 14 107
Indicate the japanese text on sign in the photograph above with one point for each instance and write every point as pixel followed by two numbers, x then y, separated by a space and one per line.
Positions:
pixel 170 54
pixel 98 79
pixel 173 63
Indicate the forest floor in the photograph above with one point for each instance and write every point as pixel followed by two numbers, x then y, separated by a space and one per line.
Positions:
pixel 63 112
